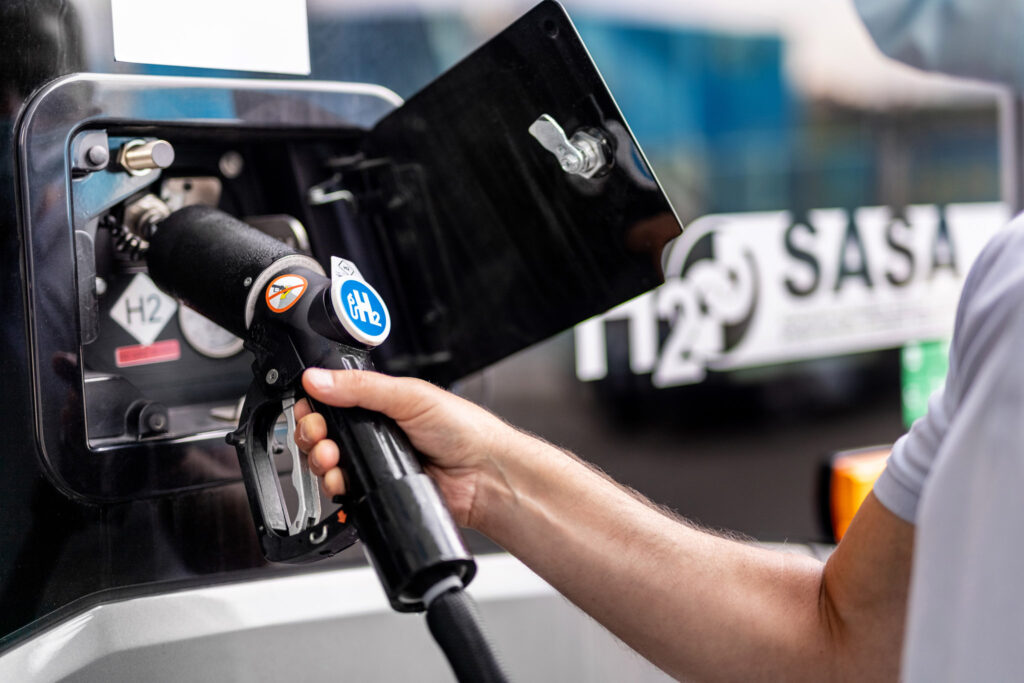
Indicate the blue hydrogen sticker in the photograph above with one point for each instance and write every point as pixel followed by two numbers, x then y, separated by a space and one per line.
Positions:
pixel 364 307
pixel 362 311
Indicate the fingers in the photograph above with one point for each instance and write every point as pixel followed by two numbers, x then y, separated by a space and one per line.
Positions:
pixel 323 462
pixel 322 453
pixel 334 482
pixel 309 430
pixel 323 457
pixel 399 398
pixel 302 409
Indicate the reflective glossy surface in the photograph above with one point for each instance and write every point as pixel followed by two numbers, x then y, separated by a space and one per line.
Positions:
pixel 509 248
pixel 58 550
pixel 44 135
pixel 502 236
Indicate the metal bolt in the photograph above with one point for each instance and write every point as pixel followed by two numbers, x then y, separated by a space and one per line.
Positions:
pixel 98 155
pixel 101 286
pixel 247 282
pixel 582 155
pixel 272 376
pixel 593 158
pixel 142 215
pixel 157 422
pixel 570 159
pixel 571 164
pixel 139 157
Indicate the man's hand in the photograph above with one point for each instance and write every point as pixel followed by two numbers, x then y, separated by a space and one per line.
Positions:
pixel 457 437
pixel 699 606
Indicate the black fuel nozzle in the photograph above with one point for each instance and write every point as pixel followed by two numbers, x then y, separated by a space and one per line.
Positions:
pixel 293 316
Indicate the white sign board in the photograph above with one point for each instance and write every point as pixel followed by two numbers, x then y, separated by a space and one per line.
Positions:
pixel 241 35
pixel 744 290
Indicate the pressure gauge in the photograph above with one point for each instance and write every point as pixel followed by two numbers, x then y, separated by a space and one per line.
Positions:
pixel 206 336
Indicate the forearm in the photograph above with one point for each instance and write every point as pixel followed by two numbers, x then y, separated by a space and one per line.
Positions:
pixel 695 604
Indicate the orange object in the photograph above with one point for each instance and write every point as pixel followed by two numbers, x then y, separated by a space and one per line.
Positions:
pixel 853 476
pixel 284 291
pixel 342 516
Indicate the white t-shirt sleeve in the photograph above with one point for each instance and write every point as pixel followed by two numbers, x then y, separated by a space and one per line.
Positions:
pixel 965 618
pixel 899 487
pixel 990 301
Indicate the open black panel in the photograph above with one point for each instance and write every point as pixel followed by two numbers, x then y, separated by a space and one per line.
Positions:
pixel 133 393
pixel 492 244
pixel 505 202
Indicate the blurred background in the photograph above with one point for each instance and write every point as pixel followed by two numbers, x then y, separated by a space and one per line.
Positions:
pixel 781 122
pixel 775 127
pixel 835 201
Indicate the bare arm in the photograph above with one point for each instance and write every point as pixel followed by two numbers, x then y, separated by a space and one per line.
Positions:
pixel 695 604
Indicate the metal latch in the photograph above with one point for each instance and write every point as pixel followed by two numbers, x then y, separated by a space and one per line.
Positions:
pixel 330 191
pixel 583 154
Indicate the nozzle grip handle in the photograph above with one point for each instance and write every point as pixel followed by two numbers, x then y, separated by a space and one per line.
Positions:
pixel 399 514
pixel 333 534
pixel 402 519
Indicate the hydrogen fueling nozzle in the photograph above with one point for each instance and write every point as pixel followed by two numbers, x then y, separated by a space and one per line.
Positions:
pixel 293 316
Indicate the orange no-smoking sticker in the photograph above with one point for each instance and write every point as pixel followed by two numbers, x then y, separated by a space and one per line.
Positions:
pixel 284 291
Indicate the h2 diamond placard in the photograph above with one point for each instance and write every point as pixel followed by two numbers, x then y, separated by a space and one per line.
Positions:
pixel 143 310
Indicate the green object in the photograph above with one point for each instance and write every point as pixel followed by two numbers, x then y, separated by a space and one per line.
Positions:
pixel 923 368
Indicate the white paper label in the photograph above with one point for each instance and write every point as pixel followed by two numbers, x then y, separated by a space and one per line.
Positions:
pixel 244 35
pixel 343 268
pixel 143 310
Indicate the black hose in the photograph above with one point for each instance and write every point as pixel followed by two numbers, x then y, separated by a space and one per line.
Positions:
pixel 456 626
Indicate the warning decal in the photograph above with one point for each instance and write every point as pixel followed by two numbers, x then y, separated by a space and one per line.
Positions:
pixel 159 352
pixel 143 310
pixel 284 291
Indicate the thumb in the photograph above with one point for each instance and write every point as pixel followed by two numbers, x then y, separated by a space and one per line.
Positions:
pixel 400 398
